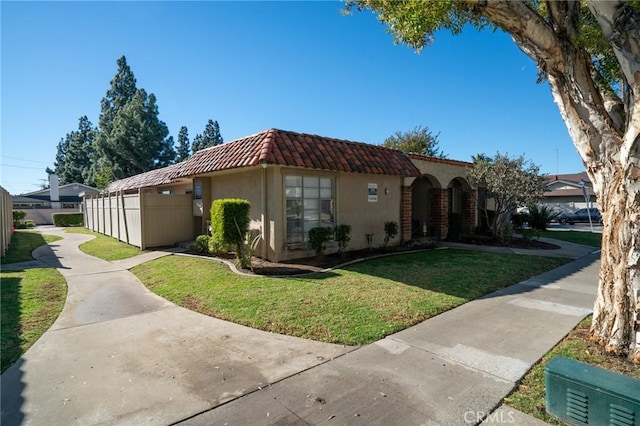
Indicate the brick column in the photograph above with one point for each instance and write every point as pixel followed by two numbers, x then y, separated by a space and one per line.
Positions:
pixel 405 214
pixel 439 212
pixel 470 211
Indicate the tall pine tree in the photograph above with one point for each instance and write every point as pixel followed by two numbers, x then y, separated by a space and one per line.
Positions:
pixel 138 139
pixel 183 148
pixel 73 156
pixel 131 138
pixel 210 137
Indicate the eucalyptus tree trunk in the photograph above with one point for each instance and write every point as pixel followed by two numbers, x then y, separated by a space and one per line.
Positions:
pixel 605 128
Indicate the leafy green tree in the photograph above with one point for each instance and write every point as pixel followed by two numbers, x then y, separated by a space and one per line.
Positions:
pixel 419 140
pixel 210 137
pixel 510 183
pixel 183 148
pixel 589 52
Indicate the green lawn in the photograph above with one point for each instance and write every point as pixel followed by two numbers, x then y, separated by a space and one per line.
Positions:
pixel 354 305
pixel 31 300
pixel 23 243
pixel 586 238
pixel 104 247
pixel 529 396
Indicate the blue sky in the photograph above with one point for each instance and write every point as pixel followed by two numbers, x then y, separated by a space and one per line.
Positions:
pixel 298 66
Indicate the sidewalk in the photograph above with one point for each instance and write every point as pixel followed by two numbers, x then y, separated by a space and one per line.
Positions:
pixel 120 354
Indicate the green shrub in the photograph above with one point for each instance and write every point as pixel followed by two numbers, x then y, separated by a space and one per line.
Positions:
pixel 318 239
pixel 19 214
pixel 18 217
pixel 217 247
pixel 540 215
pixel 229 225
pixel 30 223
pixel 390 231
pixel 342 235
pixel 202 243
pixel 68 219
pixel 455 226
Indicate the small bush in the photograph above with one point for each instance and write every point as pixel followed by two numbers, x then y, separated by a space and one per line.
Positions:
pixel 390 231
pixel 202 243
pixel 68 219
pixel 19 214
pixel 229 225
pixel 541 215
pixel 342 235
pixel 217 247
pixel 519 219
pixel 318 239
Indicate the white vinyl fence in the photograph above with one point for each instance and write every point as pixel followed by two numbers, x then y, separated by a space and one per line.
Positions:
pixel 142 220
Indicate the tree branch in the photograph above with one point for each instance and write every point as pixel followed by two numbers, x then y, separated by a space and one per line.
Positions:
pixel 620 24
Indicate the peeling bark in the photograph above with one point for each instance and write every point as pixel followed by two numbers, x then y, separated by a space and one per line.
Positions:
pixel 606 133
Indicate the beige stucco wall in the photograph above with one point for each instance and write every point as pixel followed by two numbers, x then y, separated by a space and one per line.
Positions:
pixel 442 173
pixel 352 208
pixel 368 217
pixel 177 188
pixel 245 185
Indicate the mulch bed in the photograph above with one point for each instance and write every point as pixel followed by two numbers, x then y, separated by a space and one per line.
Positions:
pixel 313 264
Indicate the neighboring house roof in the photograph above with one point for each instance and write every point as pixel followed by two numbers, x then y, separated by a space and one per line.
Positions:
pixel 156 177
pixel 573 178
pixel 284 148
pixel 32 198
pixel 47 192
pixel 571 185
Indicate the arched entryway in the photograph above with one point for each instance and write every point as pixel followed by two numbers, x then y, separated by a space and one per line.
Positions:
pixel 425 207
pixel 461 208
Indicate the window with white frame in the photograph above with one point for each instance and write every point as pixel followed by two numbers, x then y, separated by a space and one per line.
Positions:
pixel 310 203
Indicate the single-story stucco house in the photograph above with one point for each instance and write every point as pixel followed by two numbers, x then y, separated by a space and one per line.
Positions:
pixel 41 205
pixel 565 192
pixel 294 182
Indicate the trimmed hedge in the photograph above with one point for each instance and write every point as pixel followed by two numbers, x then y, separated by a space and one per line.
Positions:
pixel 68 219
pixel 230 223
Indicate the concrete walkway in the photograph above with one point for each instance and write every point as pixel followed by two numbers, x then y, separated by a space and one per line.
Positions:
pixel 120 354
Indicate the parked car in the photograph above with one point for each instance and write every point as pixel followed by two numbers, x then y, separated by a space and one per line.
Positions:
pixel 581 216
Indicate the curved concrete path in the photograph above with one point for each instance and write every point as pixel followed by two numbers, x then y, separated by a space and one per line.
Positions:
pixel 119 354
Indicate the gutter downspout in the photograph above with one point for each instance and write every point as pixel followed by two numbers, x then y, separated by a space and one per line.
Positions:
pixel 265 221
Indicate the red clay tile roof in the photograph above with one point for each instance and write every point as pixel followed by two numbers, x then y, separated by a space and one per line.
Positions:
pixel 293 149
pixel 282 148
pixel 143 180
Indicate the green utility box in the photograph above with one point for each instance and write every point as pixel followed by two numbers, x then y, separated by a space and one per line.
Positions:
pixel 581 394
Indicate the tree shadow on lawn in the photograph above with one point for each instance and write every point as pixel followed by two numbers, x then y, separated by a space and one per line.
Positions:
pixel 468 274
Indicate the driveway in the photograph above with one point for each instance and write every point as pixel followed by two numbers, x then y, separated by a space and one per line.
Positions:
pixel 120 354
